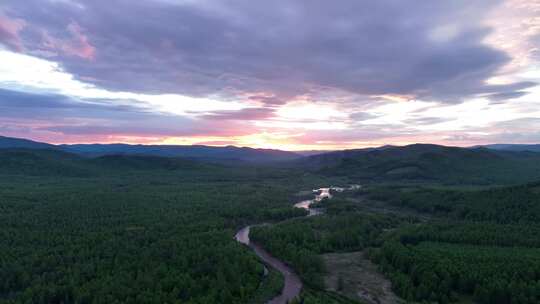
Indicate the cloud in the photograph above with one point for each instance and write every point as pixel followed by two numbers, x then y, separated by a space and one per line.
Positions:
pixel 506 95
pixel 315 73
pixel 46 105
pixel 361 116
pixel 67 117
pixel 514 131
pixel 243 114
pixel 76 45
pixel 434 51
pixel 516 30
pixel 267 99
pixel 427 120
pixel 9 32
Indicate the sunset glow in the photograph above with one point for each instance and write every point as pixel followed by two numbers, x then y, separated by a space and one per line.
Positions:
pixel 195 73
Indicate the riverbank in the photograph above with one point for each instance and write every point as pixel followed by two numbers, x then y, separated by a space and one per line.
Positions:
pixel 292 283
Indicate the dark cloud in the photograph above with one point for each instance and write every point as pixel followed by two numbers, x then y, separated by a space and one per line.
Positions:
pixel 506 95
pixel 65 115
pixel 427 120
pixel 284 48
pixel 268 100
pixel 243 114
pixel 361 116
pixel 48 105
pixel 19 99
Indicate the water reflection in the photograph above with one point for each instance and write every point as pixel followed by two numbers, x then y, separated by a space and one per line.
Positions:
pixel 321 194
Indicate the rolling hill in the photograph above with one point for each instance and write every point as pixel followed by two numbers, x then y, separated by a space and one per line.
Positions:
pixel 48 162
pixel 42 162
pixel 426 162
pixel 412 163
pixel 11 142
pixel 514 147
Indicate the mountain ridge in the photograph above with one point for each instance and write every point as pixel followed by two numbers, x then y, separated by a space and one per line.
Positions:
pixel 225 153
pixel 513 147
pixel 428 162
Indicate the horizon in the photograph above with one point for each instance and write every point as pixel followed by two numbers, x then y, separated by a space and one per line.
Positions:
pixel 284 75
pixel 236 146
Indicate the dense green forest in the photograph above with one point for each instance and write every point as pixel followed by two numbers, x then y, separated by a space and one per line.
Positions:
pixel 141 234
pixel 463 245
pixel 515 204
pixel 442 272
pixel 146 229
pixel 483 244
pixel 300 242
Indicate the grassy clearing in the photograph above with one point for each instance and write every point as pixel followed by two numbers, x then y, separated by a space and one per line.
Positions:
pixel 355 277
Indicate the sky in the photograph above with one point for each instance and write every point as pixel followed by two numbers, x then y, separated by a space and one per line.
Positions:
pixel 286 74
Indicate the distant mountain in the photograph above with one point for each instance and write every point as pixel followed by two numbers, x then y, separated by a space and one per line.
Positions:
pixel 496 164
pixel 199 152
pixel 514 147
pixel 11 142
pixel 426 162
pixel 193 152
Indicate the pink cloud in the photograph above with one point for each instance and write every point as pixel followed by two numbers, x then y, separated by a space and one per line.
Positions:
pixel 9 32
pixel 77 45
pixel 80 45
pixel 217 143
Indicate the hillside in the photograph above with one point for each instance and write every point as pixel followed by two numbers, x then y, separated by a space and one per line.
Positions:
pixel 514 147
pixel 42 163
pixel 36 162
pixel 424 162
pixel 11 142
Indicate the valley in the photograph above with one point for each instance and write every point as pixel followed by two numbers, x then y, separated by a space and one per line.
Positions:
pixel 152 229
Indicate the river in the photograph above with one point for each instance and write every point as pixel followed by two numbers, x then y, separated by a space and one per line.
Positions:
pixel 292 285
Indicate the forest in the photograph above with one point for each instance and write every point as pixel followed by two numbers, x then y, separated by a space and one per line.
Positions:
pixel 482 244
pixel 300 242
pixel 443 245
pixel 145 236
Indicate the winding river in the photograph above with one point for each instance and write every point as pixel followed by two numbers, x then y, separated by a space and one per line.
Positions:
pixel 292 285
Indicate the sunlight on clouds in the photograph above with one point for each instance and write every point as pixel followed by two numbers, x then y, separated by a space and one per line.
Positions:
pixel 257 140
pixel 307 111
pixel 292 121
pixel 31 73
pixel 185 105
pixel 531 73
pixel 300 125
pixel 190 140
pixel 477 113
pixel 396 112
pixel 514 23
pixel 395 97
pixel 302 115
